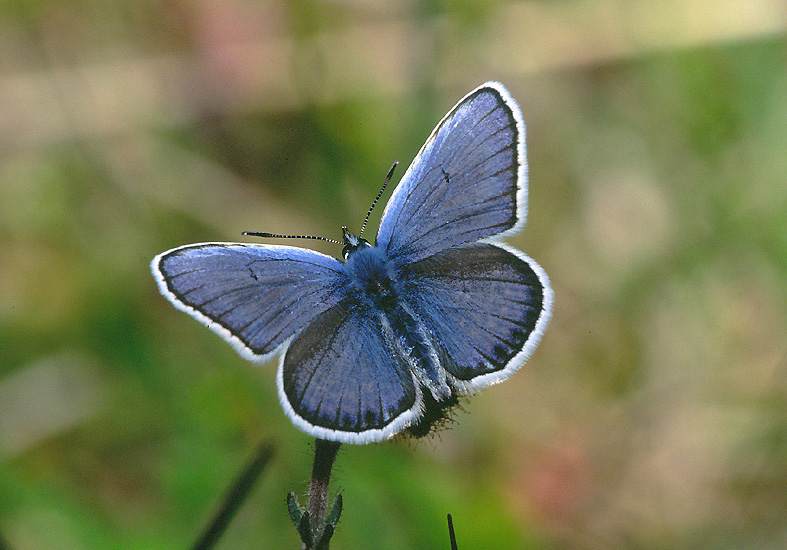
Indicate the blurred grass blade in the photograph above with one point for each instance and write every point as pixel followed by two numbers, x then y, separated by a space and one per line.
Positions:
pixel 451 533
pixel 235 497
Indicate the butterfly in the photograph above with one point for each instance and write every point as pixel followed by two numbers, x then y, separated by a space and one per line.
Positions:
pixel 386 338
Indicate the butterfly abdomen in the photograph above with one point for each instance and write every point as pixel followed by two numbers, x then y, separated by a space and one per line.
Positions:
pixel 375 284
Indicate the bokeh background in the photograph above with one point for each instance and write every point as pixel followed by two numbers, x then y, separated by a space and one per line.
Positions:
pixel 653 414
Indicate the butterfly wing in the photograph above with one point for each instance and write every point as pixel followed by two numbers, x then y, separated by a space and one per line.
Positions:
pixel 468 182
pixel 253 296
pixel 343 380
pixel 487 306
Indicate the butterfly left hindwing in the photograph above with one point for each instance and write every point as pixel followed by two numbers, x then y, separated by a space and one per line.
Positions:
pixel 342 379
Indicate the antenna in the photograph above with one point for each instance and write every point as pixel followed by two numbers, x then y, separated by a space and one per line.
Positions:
pixel 377 198
pixel 277 236
pixel 267 235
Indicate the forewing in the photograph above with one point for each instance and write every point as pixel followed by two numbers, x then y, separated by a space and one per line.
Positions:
pixel 487 306
pixel 253 296
pixel 341 379
pixel 467 183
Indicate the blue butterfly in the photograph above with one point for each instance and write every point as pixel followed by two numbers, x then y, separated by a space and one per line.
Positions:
pixel 387 338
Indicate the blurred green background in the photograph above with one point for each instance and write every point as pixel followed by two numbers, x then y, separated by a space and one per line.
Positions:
pixel 653 414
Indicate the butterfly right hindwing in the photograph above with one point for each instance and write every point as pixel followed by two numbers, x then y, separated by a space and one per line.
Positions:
pixel 486 306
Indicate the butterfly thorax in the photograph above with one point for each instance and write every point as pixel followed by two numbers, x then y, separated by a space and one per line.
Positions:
pixel 372 276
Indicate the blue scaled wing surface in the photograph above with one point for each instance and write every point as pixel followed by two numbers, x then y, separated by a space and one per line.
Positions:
pixel 486 306
pixel 256 297
pixel 343 378
pixel 485 303
pixel 468 182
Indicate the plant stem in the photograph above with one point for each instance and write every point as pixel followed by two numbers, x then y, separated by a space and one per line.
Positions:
pixel 324 455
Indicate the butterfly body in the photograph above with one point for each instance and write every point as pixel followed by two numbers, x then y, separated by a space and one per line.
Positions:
pixel 386 339
pixel 371 275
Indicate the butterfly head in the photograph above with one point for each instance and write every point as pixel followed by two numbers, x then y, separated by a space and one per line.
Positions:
pixel 352 243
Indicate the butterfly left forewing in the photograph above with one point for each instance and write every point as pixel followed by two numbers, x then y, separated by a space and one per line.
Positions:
pixel 254 296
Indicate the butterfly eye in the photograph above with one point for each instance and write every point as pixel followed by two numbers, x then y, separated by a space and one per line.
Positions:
pixel 352 243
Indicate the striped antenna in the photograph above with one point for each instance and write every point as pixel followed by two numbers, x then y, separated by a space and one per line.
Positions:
pixel 377 198
pixel 277 236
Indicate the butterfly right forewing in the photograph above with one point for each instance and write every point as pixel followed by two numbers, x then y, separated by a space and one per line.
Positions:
pixel 467 183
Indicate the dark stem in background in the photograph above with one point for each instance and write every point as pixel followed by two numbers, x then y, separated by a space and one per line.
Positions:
pixel 234 498
pixel 451 534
